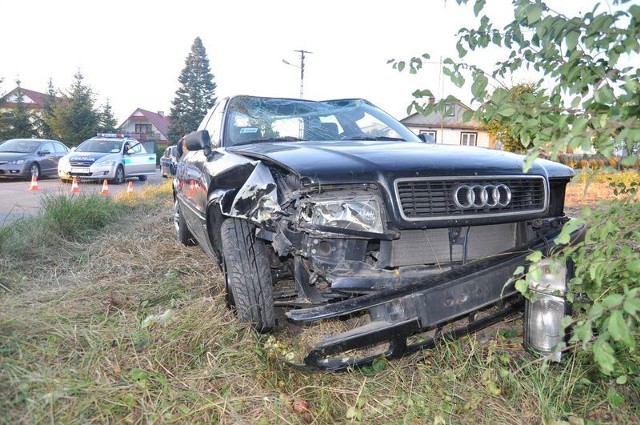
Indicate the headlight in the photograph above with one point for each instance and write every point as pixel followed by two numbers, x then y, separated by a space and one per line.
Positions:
pixel 105 163
pixel 17 161
pixel 544 313
pixel 355 214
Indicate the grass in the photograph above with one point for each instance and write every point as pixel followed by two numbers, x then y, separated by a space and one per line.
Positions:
pixel 124 325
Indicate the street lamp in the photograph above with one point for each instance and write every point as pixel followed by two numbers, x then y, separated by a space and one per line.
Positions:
pixel 301 67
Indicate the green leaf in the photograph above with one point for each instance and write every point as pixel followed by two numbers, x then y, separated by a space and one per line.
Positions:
pixel 533 12
pixel 615 398
pixel 479 86
pixel 507 111
pixel 634 266
pixel 613 300
pixel 462 52
pixel 401 66
pixel 583 333
pixel 477 7
pixel 535 256
pixel 618 328
pixel 596 311
pixel 603 355
pixel 565 235
pixel 604 95
pixel 629 161
pixel 522 286
pixel 572 40
pixel 631 306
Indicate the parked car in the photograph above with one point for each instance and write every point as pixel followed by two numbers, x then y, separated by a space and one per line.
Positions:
pixel 25 158
pixel 168 161
pixel 108 156
pixel 333 209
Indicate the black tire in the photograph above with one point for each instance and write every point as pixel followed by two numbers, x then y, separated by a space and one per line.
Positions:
pixel 34 170
pixel 183 234
pixel 119 176
pixel 247 274
pixel 142 178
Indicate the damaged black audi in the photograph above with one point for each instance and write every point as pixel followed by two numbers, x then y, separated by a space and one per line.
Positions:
pixel 334 210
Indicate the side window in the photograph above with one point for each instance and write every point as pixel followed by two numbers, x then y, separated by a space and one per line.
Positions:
pixel 47 147
pixel 59 148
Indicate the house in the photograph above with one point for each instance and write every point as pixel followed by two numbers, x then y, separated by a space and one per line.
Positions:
pixel 31 99
pixel 449 127
pixel 147 126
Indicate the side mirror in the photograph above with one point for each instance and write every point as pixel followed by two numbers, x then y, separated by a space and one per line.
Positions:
pixel 44 152
pixel 198 140
pixel 426 138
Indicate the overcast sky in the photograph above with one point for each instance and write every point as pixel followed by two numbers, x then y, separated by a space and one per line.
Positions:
pixel 132 52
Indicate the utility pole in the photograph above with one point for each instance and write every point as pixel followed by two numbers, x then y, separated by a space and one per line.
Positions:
pixel 302 53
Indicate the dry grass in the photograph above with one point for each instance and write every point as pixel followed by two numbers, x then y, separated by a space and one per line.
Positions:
pixel 132 328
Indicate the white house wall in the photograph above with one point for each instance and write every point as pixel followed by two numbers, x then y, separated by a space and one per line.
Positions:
pixel 452 137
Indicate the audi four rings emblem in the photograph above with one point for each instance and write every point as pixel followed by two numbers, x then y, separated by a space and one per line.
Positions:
pixel 480 196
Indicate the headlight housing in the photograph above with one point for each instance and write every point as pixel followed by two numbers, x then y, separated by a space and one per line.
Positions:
pixel 17 161
pixel 358 213
pixel 544 313
pixel 105 163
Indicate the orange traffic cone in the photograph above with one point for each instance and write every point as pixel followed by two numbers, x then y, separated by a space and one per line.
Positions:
pixel 105 188
pixel 74 186
pixel 130 189
pixel 34 183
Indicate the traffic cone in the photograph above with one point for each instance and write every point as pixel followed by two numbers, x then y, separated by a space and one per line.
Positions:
pixel 105 188
pixel 34 183
pixel 130 189
pixel 74 186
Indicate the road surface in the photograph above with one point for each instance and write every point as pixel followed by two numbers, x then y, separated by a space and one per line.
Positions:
pixel 16 200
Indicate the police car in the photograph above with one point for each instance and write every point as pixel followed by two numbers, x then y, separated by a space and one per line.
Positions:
pixel 108 156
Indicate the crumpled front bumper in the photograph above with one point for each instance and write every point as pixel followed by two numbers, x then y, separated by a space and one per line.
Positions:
pixel 420 305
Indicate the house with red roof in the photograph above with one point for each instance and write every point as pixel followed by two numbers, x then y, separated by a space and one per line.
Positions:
pixel 147 126
pixel 31 99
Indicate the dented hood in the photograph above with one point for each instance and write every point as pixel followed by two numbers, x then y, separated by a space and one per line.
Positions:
pixel 347 161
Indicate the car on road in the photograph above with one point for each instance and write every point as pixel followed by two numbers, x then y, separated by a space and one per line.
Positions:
pixel 25 158
pixel 335 210
pixel 168 161
pixel 108 156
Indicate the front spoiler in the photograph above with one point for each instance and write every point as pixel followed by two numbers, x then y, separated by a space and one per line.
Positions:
pixel 423 305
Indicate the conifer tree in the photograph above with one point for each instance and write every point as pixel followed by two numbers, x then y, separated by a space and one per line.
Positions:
pixel 75 118
pixel 43 122
pixel 18 119
pixel 107 123
pixel 195 95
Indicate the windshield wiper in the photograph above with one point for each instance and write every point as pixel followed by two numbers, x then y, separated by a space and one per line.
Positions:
pixel 365 137
pixel 271 139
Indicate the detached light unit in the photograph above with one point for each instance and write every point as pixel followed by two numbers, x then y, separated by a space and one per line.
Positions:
pixel 544 311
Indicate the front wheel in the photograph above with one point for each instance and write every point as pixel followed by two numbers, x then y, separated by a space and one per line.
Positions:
pixel 247 274
pixel 118 178
pixel 34 170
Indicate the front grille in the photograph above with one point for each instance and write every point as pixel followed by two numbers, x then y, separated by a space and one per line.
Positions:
pixel 80 163
pixel 433 198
